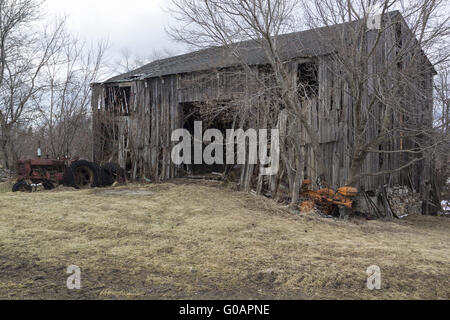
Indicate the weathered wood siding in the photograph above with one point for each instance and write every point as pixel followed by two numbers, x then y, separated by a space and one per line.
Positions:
pixel 144 136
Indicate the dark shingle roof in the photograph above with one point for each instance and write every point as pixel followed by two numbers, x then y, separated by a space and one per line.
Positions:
pixel 292 45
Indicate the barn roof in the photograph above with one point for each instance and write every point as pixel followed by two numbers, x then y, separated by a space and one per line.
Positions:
pixel 292 45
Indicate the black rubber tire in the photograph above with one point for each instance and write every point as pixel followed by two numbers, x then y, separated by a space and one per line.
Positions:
pixel 48 185
pixel 94 173
pixel 69 179
pixel 107 177
pixel 22 186
pixel 112 172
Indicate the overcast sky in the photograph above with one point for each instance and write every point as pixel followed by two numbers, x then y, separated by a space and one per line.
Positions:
pixel 136 25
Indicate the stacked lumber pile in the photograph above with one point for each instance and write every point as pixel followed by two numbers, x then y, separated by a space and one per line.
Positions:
pixel 403 201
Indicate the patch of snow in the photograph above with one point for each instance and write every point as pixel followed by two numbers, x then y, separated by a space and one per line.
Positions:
pixel 446 206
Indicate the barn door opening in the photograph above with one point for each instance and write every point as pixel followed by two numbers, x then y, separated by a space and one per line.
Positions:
pixel 206 113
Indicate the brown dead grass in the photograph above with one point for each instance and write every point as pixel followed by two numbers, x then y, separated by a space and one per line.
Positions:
pixel 6 186
pixel 201 241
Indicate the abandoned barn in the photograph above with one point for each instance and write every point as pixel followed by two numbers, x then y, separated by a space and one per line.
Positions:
pixel 135 113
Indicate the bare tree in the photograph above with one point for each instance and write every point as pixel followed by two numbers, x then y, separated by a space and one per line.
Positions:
pixel 15 15
pixel 394 93
pixel 390 99
pixel 442 131
pixel 63 106
pixel 207 23
pixel 24 53
pixel 129 60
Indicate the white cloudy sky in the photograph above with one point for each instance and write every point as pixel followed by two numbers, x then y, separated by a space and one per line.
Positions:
pixel 136 25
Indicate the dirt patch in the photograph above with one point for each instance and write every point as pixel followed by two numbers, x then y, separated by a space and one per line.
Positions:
pixel 59 188
pixel 197 241
pixel 125 192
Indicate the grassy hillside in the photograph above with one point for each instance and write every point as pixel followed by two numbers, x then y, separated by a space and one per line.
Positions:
pixel 202 241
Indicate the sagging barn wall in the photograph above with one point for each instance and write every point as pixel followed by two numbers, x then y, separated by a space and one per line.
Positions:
pixel 133 120
pixel 136 132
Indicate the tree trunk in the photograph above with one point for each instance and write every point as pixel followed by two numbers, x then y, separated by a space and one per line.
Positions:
pixel 5 153
pixel 354 173
pixel 298 180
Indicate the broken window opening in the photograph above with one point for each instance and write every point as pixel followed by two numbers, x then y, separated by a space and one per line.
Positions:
pixel 308 83
pixel 117 100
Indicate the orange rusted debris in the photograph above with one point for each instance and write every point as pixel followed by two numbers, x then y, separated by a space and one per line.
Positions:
pixel 348 191
pixel 343 197
pixel 307 206
pixel 307 182
pixel 306 185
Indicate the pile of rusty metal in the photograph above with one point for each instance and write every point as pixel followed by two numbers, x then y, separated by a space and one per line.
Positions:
pixel 327 200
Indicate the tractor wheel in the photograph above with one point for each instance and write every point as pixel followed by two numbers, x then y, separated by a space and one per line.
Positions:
pixel 22 186
pixel 112 172
pixel 69 179
pixel 86 174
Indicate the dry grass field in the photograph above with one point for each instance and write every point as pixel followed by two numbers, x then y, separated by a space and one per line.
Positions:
pixel 201 241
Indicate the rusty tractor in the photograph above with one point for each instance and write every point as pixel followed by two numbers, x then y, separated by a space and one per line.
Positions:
pixel 79 174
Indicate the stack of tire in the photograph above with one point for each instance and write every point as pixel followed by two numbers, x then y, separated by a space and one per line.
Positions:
pixel 111 173
pixel 85 174
pixel 82 174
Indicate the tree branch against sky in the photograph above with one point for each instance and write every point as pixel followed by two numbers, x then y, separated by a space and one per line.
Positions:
pixel 393 87
pixel 24 53
pixel 222 23
pixel 63 106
